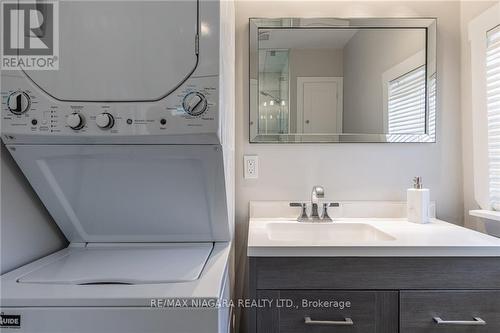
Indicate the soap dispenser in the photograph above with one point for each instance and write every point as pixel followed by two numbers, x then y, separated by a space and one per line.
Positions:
pixel 417 202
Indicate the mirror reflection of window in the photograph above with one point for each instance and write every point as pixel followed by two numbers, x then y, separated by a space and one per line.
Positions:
pixel 432 107
pixel 406 103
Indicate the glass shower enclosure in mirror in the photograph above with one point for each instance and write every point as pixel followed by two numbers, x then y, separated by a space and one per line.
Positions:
pixel 342 80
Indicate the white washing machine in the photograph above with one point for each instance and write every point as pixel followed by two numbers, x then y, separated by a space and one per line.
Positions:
pixel 129 145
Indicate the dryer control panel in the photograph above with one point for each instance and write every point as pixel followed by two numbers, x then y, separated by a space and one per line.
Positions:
pixel 191 109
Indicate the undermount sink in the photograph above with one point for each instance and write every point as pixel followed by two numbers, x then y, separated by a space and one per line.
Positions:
pixel 322 232
pixel 359 229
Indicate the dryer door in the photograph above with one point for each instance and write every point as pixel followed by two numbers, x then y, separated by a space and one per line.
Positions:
pixel 112 51
pixel 130 193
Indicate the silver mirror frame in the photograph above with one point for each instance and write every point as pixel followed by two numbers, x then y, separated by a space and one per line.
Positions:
pixel 430 24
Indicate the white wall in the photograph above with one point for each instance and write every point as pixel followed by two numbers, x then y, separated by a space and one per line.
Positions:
pixel 27 231
pixel 469 10
pixel 353 171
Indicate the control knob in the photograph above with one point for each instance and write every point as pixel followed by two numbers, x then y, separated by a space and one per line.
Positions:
pixel 18 102
pixel 195 103
pixel 105 120
pixel 76 121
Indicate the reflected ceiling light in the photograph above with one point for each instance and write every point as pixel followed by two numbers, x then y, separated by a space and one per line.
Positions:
pixel 204 29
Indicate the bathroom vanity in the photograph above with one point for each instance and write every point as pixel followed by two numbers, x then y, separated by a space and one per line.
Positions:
pixel 369 271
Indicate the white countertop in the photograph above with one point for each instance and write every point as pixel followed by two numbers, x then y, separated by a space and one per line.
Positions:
pixel 405 239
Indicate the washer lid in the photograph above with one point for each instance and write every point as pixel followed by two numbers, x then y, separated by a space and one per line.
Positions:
pixel 125 264
pixel 122 50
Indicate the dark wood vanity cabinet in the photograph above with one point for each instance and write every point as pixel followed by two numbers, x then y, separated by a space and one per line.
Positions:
pixel 481 310
pixel 342 311
pixel 375 295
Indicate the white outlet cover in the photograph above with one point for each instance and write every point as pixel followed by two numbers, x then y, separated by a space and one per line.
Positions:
pixel 251 166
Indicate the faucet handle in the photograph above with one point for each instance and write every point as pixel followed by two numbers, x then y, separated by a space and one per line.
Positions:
pixel 325 215
pixel 303 214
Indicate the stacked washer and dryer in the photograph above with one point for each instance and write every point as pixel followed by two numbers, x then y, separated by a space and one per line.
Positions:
pixel 129 146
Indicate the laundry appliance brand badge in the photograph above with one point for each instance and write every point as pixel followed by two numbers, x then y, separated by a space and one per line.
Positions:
pixel 10 320
pixel 30 36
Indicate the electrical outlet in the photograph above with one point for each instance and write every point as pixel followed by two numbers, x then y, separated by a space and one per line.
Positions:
pixel 251 165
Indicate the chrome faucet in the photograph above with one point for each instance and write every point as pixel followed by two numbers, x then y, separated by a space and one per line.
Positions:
pixel 318 192
pixel 317 196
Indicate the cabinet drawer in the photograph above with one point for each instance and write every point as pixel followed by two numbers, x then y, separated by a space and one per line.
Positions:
pixel 332 311
pixel 459 311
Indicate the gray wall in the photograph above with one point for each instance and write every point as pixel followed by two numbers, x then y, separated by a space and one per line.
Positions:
pixel 367 56
pixel 27 232
pixel 353 171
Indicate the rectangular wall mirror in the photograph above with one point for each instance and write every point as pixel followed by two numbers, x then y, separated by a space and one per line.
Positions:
pixel 342 80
